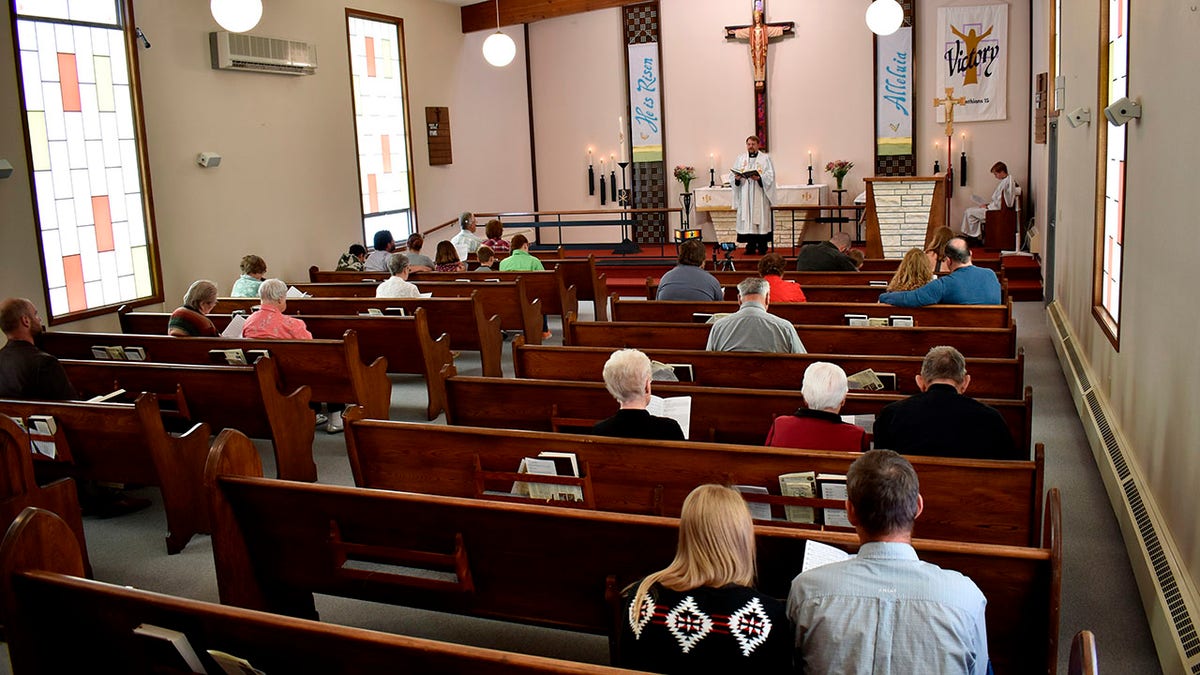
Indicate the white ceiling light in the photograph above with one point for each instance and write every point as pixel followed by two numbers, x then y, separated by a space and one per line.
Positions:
pixel 498 49
pixel 884 17
pixel 236 16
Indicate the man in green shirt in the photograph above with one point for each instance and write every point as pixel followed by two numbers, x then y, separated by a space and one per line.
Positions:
pixel 520 260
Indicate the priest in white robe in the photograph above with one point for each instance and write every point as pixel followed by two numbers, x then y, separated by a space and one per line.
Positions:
pixel 753 196
pixel 1004 196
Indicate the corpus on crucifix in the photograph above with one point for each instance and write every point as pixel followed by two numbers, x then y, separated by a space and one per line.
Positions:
pixel 760 34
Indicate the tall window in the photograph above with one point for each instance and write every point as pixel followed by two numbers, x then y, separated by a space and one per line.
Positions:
pixel 1111 141
pixel 380 90
pixel 83 119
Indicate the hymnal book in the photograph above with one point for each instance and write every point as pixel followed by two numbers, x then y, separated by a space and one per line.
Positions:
pixel 833 486
pixel 233 665
pixel 800 484
pixel 877 283
pixel 683 371
pixel 372 311
pixel 900 320
pixel 135 354
pixel 394 311
pixel 717 317
pixel 170 649
pixel 678 408
pixel 817 554
pixel 856 319
pixel 865 380
pixel 104 398
pixel 888 380
pixel 294 292
pixel 565 463
pixel 980 201
pixel 115 353
pixel 545 491
pixel 233 357
pixel 867 422
pixel 425 295
pixel 877 321
pixel 701 317
pixel 758 510
pixel 101 353
pixel 749 174
pixel 234 329
pixel 42 429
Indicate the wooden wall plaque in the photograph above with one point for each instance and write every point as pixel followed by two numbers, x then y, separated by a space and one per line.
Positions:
pixel 437 131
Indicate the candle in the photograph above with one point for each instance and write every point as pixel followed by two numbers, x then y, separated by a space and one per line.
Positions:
pixel 712 161
pixel 810 158
pixel 601 166
pixel 621 137
pixel 589 156
pixel 612 161
pixel 964 143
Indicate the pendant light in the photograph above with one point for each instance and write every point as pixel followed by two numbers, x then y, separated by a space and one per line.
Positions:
pixel 884 17
pixel 498 49
pixel 236 16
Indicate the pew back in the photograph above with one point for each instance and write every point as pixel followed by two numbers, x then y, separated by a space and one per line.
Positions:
pixel 827 313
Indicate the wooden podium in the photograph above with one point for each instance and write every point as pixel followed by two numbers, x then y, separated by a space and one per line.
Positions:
pixel 902 212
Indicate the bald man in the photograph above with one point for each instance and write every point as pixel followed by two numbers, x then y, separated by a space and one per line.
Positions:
pixel 25 370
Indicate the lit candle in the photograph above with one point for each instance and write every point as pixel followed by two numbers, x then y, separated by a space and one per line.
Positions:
pixel 589 156
pixel 712 161
pixel 601 166
pixel 810 158
pixel 621 137
pixel 964 143
pixel 612 160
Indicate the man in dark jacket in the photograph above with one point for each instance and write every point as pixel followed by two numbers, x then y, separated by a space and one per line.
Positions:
pixel 827 256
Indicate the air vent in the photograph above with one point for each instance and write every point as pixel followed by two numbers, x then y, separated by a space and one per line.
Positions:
pixel 239 51
pixel 1085 383
pixel 1111 446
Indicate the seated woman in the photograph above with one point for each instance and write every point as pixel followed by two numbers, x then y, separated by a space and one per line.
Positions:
pixel 447 259
pixel 688 280
pixel 190 320
pixel 627 377
pixel 495 237
pixel 935 250
pixel 254 270
pixel 702 614
pixel 417 261
pixel 770 267
pixel 913 272
pixel 818 426
pixel 352 260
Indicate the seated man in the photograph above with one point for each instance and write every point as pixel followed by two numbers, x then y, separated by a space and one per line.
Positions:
pixel 688 280
pixel 25 370
pixel 818 425
pixel 465 242
pixel 885 611
pixel 966 284
pixel 627 377
pixel 751 328
pixel 398 285
pixel 941 421
pixel 1004 196
pixel 827 256
pixel 384 245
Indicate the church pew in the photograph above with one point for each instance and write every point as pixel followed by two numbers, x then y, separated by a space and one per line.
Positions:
pixel 333 369
pixel 719 414
pixel 20 490
pixel 126 443
pixel 895 340
pixel 549 286
pixel 42 573
pixel 889 265
pixel 817 293
pixel 992 378
pixel 987 502
pixel 277 542
pixel 247 398
pixel 505 299
pixel 461 319
pixel 826 313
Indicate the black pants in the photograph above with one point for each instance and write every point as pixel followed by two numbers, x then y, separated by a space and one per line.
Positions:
pixel 756 244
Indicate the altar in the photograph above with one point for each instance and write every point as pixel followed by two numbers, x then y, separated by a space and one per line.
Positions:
pixel 717 202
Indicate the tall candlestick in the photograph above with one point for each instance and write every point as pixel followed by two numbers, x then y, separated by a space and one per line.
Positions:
pixel 712 161
pixel 621 136
pixel 964 144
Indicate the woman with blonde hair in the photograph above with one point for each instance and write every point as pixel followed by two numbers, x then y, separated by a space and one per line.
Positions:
pixel 701 613
pixel 913 272
pixel 935 250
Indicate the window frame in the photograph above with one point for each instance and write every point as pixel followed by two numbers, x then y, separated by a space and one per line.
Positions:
pixel 127 27
pixel 408 136
pixel 1109 325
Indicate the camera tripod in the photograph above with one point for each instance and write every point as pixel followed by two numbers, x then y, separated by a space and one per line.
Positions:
pixel 725 265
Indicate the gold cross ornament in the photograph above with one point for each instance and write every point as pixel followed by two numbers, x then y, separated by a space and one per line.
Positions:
pixel 948 103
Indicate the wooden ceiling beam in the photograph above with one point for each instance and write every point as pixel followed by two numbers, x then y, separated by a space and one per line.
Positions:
pixel 482 15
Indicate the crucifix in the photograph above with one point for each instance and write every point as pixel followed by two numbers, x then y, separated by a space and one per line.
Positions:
pixel 948 104
pixel 760 34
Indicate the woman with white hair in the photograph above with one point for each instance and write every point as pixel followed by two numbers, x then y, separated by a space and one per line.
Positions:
pixel 190 320
pixel 818 425
pixel 269 321
pixel 702 614
pixel 627 377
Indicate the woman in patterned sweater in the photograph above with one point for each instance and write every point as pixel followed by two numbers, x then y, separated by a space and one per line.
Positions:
pixel 702 614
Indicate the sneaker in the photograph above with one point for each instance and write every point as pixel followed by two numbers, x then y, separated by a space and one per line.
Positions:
pixel 322 419
pixel 547 335
pixel 335 425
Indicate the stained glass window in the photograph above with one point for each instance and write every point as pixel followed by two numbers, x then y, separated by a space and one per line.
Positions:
pixel 1113 142
pixel 86 158
pixel 378 86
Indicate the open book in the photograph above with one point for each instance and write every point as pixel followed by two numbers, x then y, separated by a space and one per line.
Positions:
pixel 550 464
pixel 864 380
pixel 678 408
pixel 980 201
pixel 749 174
pixel 234 329
pixel 817 554
pixel 294 292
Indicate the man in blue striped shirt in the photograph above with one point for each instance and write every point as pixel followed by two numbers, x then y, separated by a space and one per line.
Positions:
pixel 884 612
pixel 965 285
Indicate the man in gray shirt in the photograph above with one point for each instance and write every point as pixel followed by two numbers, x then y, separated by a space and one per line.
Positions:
pixel 751 328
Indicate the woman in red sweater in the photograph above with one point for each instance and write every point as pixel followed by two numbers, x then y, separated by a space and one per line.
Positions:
pixel 770 267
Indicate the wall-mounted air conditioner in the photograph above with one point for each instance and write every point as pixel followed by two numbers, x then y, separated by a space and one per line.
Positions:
pixel 240 51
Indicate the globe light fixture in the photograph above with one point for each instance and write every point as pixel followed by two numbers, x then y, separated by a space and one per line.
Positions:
pixel 884 17
pixel 498 49
pixel 236 16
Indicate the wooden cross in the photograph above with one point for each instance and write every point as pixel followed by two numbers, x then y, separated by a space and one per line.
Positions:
pixel 760 34
pixel 948 103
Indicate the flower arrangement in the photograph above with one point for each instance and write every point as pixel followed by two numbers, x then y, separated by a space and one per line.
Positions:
pixel 685 174
pixel 839 168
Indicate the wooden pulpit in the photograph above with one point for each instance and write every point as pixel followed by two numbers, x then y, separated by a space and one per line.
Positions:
pixel 902 212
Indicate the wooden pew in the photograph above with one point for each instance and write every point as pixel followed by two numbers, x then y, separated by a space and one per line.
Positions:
pixel 278 542
pixel 549 286
pixel 247 398
pixel 818 293
pixel 42 574
pixel 987 502
pixel 333 369
pixel 719 414
pixel 126 443
pixel 460 320
pixel 827 313
pixel 20 489
pixel 992 378
pixel 890 340
pixel 505 299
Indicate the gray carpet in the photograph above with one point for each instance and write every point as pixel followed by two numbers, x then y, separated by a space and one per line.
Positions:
pixel 1098 587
